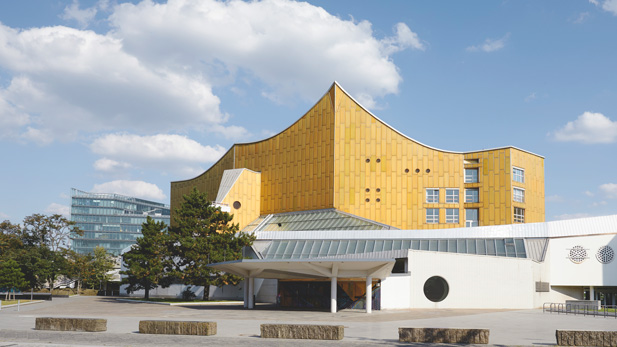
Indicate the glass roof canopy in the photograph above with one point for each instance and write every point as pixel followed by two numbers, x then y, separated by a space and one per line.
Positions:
pixel 302 249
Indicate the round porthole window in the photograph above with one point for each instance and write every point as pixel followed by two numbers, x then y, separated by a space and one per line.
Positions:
pixel 605 254
pixel 417 170
pixel 237 205
pixel 577 254
pixel 368 160
pixel 406 170
pixel 378 160
pixel 436 289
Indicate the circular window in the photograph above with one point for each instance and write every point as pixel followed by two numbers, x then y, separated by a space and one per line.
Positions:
pixel 406 170
pixel 378 160
pixel 378 199
pixel 436 289
pixel 368 160
pixel 367 200
pixel 605 254
pixel 237 205
pixel 577 254
pixel 417 170
pixel 428 170
pixel 378 190
pixel 368 190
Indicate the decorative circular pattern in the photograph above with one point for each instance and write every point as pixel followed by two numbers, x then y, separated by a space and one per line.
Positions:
pixel 237 205
pixel 605 254
pixel 577 254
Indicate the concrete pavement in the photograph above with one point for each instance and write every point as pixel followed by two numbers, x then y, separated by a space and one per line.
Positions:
pixel 238 326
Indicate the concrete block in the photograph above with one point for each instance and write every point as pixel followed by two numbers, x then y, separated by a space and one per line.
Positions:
pixel 302 331
pixel 177 327
pixel 586 338
pixel 71 324
pixel 442 335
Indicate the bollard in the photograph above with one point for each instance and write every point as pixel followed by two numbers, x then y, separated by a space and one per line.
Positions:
pixel 18 305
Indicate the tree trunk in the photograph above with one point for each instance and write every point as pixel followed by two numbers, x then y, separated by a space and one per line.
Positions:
pixel 206 292
pixel 147 291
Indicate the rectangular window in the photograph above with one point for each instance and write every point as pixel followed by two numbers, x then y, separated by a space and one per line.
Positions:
pixel 519 215
pixel 432 196
pixel 471 217
pixel 452 196
pixel 471 175
pixel 518 195
pixel 432 215
pixel 472 195
pixel 518 175
pixel 452 215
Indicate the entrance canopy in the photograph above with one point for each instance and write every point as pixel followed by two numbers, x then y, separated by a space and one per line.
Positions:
pixel 308 268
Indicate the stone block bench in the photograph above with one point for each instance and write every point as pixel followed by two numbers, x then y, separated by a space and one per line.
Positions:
pixel 71 324
pixel 443 335
pixel 177 327
pixel 586 338
pixel 302 331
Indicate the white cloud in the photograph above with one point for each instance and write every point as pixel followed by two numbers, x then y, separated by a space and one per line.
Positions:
pixel 82 16
pixel 610 190
pixel 163 152
pixel 571 216
pixel 490 45
pixel 607 5
pixel 555 198
pixel 137 189
pixel 588 193
pixel 295 48
pixel 582 17
pixel 531 97
pixel 588 128
pixel 55 208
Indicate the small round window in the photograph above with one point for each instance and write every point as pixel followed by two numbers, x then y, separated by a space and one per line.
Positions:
pixel 237 205
pixel 436 289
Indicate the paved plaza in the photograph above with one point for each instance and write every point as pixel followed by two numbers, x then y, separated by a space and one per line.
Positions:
pixel 240 327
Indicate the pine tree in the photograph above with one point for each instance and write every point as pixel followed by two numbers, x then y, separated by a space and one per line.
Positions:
pixel 147 260
pixel 11 276
pixel 201 235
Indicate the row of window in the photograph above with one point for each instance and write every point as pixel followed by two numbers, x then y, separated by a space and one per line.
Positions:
pixel 471 175
pixel 471 216
pixel 471 195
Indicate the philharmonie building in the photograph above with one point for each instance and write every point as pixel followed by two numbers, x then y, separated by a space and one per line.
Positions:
pixel 351 213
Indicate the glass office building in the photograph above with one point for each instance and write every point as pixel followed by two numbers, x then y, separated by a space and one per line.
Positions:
pixel 111 221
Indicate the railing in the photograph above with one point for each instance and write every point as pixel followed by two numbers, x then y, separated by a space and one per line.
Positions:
pixel 582 309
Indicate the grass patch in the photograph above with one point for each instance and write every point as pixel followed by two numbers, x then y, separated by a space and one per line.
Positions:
pixel 13 302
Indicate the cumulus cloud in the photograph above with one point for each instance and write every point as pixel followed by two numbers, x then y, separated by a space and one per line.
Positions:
pixel 490 45
pixel 607 5
pixel 610 190
pixel 571 216
pixel 82 16
pixel 588 128
pixel 531 97
pixel 137 189
pixel 55 208
pixel 295 48
pixel 164 152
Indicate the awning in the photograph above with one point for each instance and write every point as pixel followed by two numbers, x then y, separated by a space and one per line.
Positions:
pixel 308 268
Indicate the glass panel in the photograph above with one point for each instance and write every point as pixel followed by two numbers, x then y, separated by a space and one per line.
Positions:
pixel 520 248
pixel 281 249
pixel 510 250
pixel 342 248
pixel 361 246
pixel 289 250
pixel 315 249
pixel 432 245
pixel 424 245
pixel 306 250
pixel 500 246
pixel 490 247
pixel 397 245
pixel 352 247
pixel 325 246
pixel 471 246
pixel 443 245
pixel 415 244
pixel 370 246
pixel 387 246
pixel 452 246
pixel 406 244
pixel 378 246
pixel 461 246
pixel 333 247
pixel 481 246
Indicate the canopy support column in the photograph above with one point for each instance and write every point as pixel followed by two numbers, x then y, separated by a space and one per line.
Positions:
pixel 245 288
pixel 369 294
pixel 251 292
pixel 333 294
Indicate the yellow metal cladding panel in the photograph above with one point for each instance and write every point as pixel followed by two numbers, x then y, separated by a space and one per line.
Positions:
pixel 208 182
pixel 533 167
pixel 244 198
pixel 296 165
pixel 375 172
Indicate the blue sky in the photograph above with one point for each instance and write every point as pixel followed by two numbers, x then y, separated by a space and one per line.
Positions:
pixel 124 97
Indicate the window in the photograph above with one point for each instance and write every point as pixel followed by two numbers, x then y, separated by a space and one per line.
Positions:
pixel 452 215
pixel 452 196
pixel 472 195
pixel 432 196
pixel 518 195
pixel 471 175
pixel 471 217
pixel 519 215
pixel 432 215
pixel 518 175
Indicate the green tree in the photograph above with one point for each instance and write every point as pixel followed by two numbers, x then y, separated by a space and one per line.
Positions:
pixel 102 263
pixel 79 267
pixel 202 234
pixel 11 276
pixel 10 242
pixel 148 259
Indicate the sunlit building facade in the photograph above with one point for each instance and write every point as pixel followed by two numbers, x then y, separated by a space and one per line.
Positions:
pixel 111 221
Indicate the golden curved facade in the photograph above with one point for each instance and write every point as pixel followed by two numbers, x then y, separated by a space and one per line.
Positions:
pixel 339 155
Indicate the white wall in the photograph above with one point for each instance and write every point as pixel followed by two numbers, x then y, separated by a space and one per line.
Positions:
pixel 590 272
pixel 396 292
pixel 474 281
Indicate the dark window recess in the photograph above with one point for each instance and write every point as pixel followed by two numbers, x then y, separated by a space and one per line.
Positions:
pixel 378 190
pixel 237 205
pixel 378 160
pixel 428 170
pixel 367 200
pixel 436 289
pixel 406 170
pixel 368 160
pixel 378 199
pixel 368 190
pixel 417 170
pixel 400 266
